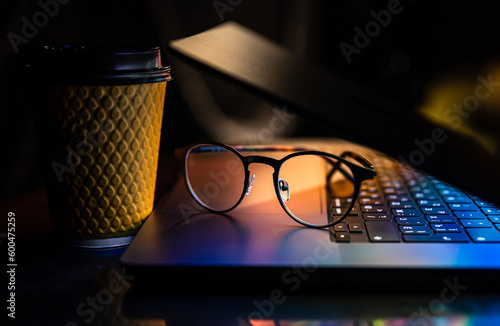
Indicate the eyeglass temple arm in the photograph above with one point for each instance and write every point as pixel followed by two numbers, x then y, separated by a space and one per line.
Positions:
pixel 257 148
pixel 357 157
pixel 337 167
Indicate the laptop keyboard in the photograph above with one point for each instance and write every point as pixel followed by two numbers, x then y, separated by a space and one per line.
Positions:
pixel 404 205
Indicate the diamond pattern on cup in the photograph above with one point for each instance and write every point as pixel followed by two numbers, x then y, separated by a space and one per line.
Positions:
pixel 116 129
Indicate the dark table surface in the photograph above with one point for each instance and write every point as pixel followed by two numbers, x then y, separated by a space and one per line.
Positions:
pixel 57 284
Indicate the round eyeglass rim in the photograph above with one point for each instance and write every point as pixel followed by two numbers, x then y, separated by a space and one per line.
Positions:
pixel 188 184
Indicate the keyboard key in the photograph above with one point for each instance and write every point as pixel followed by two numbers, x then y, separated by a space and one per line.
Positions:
pixel 354 211
pixel 424 196
pixel 436 210
pixel 413 229
pixel 426 192
pixel 494 218
pixel 382 231
pixel 369 194
pixel 415 183
pixel 377 216
pixel 441 218
pixel 484 235
pixel 476 223
pixel 482 203
pixel 355 227
pixel 430 203
pixel 457 199
pixel 411 220
pixel 488 210
pixel 439 184
pixel 394 190
pixel 406 212
pixel 340 227
pixel 392 184
pixel 371 201
pixel 372 195
pixel 342 237
pixel 368 188
pixel 421 188
pixel 340 211
pixel 438 237
pixel 383 177
pixel 403 198
pixel 463 207
pixel 341 202
pixel 399 204
pixel 374 209
pixel 451 192
pixel 471 215
pixel 446 227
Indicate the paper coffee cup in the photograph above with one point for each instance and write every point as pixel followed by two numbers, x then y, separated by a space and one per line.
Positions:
pixel 98 113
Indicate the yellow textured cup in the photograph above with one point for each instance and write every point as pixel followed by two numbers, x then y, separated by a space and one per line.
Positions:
pixel 100 148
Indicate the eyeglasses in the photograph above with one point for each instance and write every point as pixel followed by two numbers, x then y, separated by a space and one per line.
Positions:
pixel 218 177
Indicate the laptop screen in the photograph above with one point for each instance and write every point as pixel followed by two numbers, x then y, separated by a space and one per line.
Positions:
pixel 437 135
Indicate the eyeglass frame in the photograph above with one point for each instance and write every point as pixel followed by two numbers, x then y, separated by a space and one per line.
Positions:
pixel 360 173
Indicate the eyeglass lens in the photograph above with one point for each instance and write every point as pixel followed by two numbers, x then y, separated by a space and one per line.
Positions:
pixel 306 182
pixel 215 176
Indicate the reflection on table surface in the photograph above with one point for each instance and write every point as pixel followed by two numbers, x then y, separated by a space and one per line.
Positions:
pixel 61 285
pixel 273 308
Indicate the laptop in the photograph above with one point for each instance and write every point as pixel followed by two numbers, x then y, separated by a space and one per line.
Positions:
pixel 416 220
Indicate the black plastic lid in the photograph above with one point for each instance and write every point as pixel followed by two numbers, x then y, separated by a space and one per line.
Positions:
pixel 98 64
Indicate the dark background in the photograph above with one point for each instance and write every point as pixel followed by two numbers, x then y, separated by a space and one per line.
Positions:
pixel 419 44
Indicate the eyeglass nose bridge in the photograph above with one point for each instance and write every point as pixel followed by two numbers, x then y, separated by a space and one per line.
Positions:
pixel 263 160
pixel 275 164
